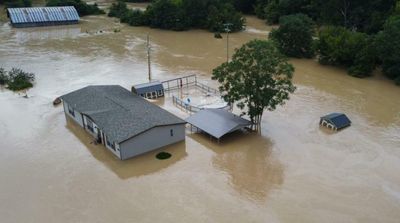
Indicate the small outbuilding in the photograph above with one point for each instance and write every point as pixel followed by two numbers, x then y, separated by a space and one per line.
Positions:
pixel 149 90
pixel 335 121
pixel 126 124
pixel 217 122
pixel 42 16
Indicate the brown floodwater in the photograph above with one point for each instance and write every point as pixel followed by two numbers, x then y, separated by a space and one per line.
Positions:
pixel 294 171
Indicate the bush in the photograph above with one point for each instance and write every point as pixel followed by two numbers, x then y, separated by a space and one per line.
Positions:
pixel 354 50
pixel 82 7
pixel 294 37
pixel 3 76
pixel 16 79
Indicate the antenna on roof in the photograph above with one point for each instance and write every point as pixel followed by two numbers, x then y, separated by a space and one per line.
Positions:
pixel 148 56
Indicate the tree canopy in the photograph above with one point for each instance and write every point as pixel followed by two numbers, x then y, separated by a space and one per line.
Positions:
pixel 340 46
pixel 81 6
pixel 182 15
pixel 388 47
pixel 258 78
pixel 294 37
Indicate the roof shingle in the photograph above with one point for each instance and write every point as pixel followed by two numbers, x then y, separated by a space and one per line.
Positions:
pixel 118 112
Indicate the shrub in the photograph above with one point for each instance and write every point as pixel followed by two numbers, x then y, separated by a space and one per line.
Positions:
pixel 19 79
pixel 3 76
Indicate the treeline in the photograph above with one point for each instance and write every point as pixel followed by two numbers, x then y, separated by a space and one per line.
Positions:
pixel 81 6
pixel 16 3
pixel 178 15
pixel 359 52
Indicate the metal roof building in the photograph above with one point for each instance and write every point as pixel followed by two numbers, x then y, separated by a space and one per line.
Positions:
pixel 335 121
pixel 217 122
pixel 149 90
pixel 125 123
pixel 42 16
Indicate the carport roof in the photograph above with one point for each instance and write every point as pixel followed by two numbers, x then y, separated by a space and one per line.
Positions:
pixel 217 122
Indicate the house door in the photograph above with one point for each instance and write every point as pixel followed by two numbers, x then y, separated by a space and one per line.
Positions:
pixel 99 139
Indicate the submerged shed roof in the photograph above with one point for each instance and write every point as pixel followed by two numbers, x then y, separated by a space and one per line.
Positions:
pixel 217 122
pixel 118 112
pixel 42 14
pixel 339 120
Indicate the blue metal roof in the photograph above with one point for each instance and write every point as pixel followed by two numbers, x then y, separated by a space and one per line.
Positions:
pixel 339 120
pixel 42 14
pixel 148 87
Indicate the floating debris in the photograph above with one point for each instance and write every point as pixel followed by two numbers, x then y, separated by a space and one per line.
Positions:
pixel 57 101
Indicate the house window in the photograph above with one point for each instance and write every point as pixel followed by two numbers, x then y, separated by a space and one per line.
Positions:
pixel 160 93
pixel 111 145
pixel 90 125
pixel 71 110
pixel 171 132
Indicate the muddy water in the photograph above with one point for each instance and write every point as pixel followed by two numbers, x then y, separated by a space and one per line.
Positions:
pixel 293 172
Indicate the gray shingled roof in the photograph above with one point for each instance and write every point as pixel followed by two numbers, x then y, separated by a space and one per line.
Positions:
pixel 118 112
pixel 217 122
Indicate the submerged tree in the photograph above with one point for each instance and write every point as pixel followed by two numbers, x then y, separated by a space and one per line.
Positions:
pixel 258 78
pixel 388 47
pixel 294 36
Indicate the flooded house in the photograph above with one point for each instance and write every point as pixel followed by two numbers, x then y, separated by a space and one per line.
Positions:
pixel 124 123
pixel 42 16
pixel 335 121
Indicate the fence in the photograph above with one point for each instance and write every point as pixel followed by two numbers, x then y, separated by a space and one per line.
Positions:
pixel 185 106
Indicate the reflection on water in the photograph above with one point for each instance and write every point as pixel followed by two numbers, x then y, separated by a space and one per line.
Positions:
pixel 248 160
pixel 139 166
pixel 43 33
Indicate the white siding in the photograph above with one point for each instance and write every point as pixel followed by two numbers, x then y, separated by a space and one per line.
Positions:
pixel 117 149
pixel 152 139
pixel 78 116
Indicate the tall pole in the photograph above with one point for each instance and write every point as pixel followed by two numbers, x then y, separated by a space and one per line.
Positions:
pixel 227 47
pixel 148 56
pixel 227 30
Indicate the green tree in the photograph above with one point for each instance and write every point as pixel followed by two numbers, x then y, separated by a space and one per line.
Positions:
pixel 218 15
pixel 272 12
pixel 294 37
pixel 81 6
pixel 388 47
pixel 258 78
pixel 342 47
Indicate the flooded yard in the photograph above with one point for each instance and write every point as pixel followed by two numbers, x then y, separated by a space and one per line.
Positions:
pixel 293 172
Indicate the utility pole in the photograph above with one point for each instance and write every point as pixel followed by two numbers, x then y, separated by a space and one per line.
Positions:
pixel 148 56
pixel 227 30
